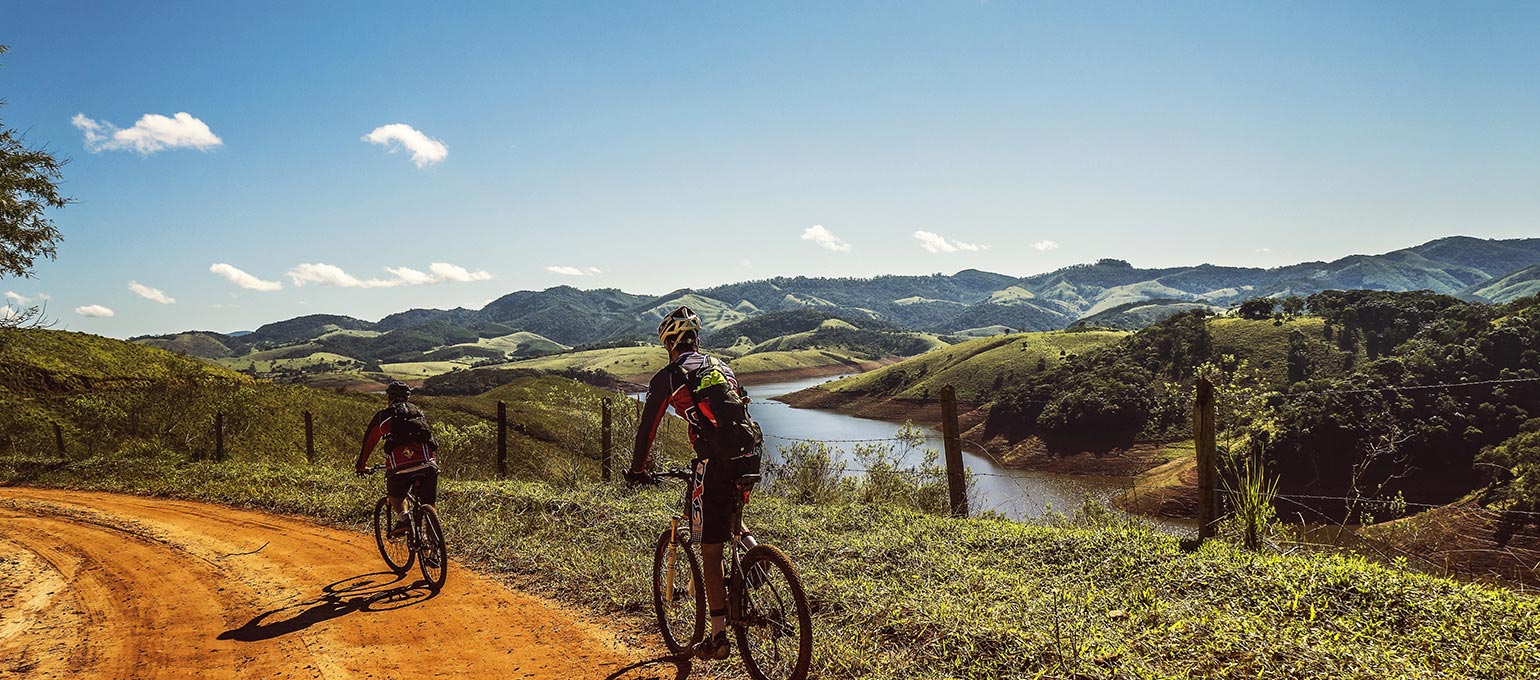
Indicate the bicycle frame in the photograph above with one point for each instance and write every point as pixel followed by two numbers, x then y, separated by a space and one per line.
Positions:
pixel 733 566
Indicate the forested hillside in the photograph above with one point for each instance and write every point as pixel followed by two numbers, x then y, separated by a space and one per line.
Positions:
pixel 889 315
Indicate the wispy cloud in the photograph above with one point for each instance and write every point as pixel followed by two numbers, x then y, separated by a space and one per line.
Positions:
pixel 1264 250
pixel 148 293
pixel 243 279
pixel 331 275
pixel 152 133
pixel 825 239
pixel 94 311
pixel 935 243
pixel 1045 245
pixel 438 272
pixel 574 271
pixel 425 150
pixel 17 298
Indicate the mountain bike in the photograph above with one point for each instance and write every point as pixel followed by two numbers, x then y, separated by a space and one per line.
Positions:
pixel 422 543
pixel 766 606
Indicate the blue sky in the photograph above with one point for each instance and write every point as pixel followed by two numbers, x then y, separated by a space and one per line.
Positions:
pixel 657 146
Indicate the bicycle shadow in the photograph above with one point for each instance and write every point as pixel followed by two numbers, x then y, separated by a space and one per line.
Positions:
pixel 374 592
pixel 646 670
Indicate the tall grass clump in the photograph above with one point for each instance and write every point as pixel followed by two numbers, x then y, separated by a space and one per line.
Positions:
pixel 1251 493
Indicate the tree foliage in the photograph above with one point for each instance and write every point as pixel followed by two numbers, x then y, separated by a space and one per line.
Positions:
pixel 29 187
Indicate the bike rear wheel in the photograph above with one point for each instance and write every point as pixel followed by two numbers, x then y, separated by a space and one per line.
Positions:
pixel 678 594
pixel 397 553
pixel 775 629
pixel 434 558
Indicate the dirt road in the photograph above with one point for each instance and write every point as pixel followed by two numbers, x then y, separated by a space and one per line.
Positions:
pixel 104 585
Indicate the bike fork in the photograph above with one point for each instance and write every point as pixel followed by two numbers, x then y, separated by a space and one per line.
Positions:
pixel 673 559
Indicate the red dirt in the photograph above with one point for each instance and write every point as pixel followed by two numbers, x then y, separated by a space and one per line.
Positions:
pixel 105 585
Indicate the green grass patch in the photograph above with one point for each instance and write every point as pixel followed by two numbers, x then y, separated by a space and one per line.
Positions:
pixel 898 594
pixel 976 368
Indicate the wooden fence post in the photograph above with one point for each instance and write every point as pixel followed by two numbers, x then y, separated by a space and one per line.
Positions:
pixel 309 437
pixel 58 439
pixel 956 481
pixel 502 438
pixel 604 441
pixel 219 437
pixel 1204 416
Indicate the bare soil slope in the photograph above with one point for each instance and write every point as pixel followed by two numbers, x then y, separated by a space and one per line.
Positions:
pixel 104 585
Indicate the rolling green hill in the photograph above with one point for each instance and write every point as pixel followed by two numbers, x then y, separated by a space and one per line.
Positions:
pixel 113 397
pixel 750 316
pixel 975 368
pixel 1522 283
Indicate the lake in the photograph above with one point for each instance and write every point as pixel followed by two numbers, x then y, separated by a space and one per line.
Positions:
pixel 1019 494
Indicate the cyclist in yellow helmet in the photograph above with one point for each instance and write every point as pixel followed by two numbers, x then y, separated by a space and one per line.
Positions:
pixel 706 393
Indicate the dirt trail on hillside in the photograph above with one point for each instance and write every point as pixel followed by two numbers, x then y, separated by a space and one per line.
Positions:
pixel 105 585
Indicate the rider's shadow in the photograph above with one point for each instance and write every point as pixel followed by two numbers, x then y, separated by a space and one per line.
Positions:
pixel 676 667
pixel 381 591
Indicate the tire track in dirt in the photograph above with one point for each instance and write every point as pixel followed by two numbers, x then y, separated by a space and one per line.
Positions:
pixel 106 585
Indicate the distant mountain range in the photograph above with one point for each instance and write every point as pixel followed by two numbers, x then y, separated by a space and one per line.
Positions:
pixel 968 303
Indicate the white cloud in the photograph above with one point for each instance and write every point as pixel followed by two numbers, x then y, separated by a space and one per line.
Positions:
pixel 747 263
pixel 17 298
pixel 934 242
pixel 574 271
pixel 1046 245
pixel 7 313
pixel 825 239
pixel 332 275
pixel 425 150
pixel 152 133
pixel 94 310
pixel 1264 250
pixel 449 272
pixel 148 293
pixel 243 279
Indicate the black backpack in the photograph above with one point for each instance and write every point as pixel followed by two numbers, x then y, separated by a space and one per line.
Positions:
pixel 720 411
pixel 409 425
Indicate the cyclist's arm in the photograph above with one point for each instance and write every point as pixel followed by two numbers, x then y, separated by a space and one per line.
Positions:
pixel 378 427
pixel 658 393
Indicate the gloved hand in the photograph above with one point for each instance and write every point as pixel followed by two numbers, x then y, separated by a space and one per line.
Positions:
pixel 634 478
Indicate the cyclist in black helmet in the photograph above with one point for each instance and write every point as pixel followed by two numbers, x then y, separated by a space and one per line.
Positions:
pixel 720 494
pixel 410 452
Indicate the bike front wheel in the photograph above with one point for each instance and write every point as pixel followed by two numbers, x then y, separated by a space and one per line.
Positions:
pixel 396 551
pixel 775 628
pixel 678 594
pixel 433 557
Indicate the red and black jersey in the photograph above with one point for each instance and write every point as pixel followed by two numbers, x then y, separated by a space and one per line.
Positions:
pixel 667 388
pixel 399 456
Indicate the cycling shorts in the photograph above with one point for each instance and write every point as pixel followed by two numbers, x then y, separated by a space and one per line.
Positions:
pixel 426 480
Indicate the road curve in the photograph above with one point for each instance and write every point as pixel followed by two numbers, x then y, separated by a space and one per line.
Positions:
pixel 106 585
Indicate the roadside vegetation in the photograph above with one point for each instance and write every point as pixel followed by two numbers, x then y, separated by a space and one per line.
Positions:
pixel 899 590
pixel 899 593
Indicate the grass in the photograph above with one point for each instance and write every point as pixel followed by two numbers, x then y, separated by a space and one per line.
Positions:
pixel 899 594
pixel 249 363
pixel 791 360
pixel 518 343
pixel 896 593
pixel 974 366
pixel 1265 345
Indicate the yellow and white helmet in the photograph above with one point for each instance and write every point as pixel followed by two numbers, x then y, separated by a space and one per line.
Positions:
pixel 677 325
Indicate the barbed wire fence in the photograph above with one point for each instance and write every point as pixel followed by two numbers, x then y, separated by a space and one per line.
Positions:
pixel 623 412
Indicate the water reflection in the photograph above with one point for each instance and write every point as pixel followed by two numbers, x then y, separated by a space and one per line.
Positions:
pixel 1016 493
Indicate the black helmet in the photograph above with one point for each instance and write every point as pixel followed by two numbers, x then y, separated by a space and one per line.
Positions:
pixel 398 391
